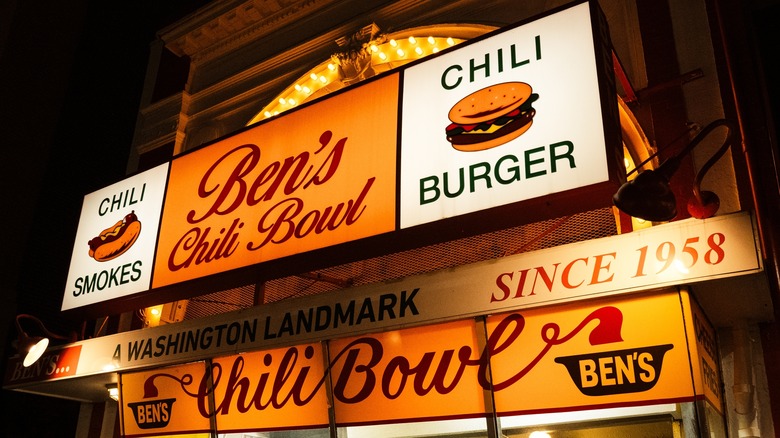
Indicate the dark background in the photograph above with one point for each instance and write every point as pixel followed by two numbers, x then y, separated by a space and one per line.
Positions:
pixel 71 76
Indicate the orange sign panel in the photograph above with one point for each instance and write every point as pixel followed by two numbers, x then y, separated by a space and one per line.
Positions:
pixel 165 400
pixel 55 363
pixel 704 354
pixel 271 390
pixel 319 176
pixel 408 374
pixel 604 353
pixel 277 389
pixel 590 355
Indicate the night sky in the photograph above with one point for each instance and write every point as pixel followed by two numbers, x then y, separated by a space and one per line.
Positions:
pixel 71 76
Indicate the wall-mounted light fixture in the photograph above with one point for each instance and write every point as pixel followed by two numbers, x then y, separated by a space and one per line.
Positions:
pixel 113 391
pixel 649 197
pixel 33 347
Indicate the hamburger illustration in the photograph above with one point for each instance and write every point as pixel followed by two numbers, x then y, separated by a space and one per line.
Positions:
pixel 491 116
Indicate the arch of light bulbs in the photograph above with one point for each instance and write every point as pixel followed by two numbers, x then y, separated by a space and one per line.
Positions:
pixel 325 77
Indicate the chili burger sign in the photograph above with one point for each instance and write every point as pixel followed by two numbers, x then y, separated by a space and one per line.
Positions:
pixel 521 118
pixel 513 117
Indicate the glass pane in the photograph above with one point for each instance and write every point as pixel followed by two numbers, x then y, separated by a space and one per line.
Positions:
pixel 656 427
pixel 467 428
pixel 657 421
pixel 310 433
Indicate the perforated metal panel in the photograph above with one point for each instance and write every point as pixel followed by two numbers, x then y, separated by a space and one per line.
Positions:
pixel 554 232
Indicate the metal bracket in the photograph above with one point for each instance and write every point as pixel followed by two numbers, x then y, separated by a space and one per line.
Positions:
pixel 632 95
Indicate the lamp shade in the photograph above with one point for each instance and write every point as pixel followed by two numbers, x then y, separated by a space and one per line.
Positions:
pixel 35 347
pixel 648 197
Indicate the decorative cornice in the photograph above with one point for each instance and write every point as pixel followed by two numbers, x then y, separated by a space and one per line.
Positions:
pixel 219 29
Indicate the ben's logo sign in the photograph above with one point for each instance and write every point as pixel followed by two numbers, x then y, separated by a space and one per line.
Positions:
pixel 55 364
pixel 616 372
pixel 151 412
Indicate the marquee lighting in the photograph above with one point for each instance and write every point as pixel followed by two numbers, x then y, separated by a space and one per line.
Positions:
pixel 385 54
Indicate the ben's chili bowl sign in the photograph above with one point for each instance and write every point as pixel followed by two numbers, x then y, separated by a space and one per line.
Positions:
pixel 301 182
pixel 600 354
pixel 509 118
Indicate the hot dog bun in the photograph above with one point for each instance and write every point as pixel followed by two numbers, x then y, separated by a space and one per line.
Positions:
pixel 114 241
pixel 491 116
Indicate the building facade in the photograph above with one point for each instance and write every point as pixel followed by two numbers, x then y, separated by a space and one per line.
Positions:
pixel 518 300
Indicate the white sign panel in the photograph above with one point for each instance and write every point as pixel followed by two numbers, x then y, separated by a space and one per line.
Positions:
pixel 676 253
pixel 513 117
pixel 114 248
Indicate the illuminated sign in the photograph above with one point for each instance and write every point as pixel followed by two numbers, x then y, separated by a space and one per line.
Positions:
pixel 589 356
pixel 421 373
pixel 515 117
pixel 368 161
pixel 113 254
pixel 704 354
pixel 155 401
pixel 539 360
pixel 682 252
pixel 56 363
pixel 304 181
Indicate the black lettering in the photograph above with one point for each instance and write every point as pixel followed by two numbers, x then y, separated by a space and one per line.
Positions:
pixel 366 312
pixel 407 303
pixel 387 303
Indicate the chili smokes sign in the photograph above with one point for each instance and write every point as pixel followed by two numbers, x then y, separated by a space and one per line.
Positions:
pixel 490 124
pixel 116 239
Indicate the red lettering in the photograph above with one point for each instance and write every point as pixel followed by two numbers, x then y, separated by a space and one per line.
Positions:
pixel 353 370
pixel 601 266
pixel 233 190
pixel 501 284
pixel 284 220
pixel 196 247
pixel 285 176
pixel 238 386
pixel 546 278
pixel 572 277
pixel 421 372
pixel 357 374
pixel 290 167
pixel 567 270
pixel 332 160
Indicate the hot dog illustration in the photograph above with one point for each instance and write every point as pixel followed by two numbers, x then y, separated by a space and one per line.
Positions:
pixel 491 116
pixel 115 240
